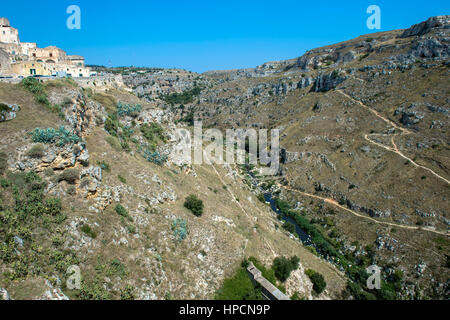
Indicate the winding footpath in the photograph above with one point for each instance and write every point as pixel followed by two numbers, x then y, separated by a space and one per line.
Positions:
pixel 393 149
pixel 336 204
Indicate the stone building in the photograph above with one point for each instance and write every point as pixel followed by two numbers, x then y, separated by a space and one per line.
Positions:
pixel 27 59
pixel 8 34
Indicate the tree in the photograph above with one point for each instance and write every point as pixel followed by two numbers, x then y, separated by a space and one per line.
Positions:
pixel 318 281
pixel 289 227
pixel 283 267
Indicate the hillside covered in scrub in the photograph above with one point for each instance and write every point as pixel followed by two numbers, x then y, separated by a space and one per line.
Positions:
pixel 88 178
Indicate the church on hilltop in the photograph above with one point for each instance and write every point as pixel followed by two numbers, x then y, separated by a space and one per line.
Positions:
pixel 24 59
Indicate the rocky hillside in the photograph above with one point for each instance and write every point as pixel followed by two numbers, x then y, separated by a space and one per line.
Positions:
pixel 365 176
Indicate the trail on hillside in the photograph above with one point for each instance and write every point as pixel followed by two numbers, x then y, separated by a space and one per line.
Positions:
pixel 336 204
pixel 394 147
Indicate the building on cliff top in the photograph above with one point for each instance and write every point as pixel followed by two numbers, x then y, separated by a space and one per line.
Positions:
pixel 26 59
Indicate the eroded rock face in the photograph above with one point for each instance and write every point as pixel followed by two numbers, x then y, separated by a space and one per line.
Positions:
pixel 441 22
pixel 84 115
pixel 4 295
pixel 53 293
pixel 327 82
pixel 8 112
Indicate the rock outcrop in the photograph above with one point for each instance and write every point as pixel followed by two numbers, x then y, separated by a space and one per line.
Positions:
pixel 439 22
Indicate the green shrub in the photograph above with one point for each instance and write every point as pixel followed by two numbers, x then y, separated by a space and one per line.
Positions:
pixel 33 85
pixel 5 183
pixel 122 179
pixel 194 204
pixel 318 281
pixel 131 229
pixel 112 126
pixel 239 287
pixel 152 132
pixel 121 211
pixel 36 88
pixel 87 230
pixel 117 268
pixel 296 296
pixel 283 267
pixel 182 98
pixel 36 152
pixel 127 293
pixel 128 110
pixel 60 137
pixel 179 228
pixel 289 227
pixel 189 119
pixel 70 176
pixel 93 291
pixel 53 206
pixel 48 172
pixel 42 99
pixel 71 190
pixel 4 107
pixel 104 166
pixel 154 157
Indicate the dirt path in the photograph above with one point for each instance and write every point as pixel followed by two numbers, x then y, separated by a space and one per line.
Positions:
pixel 336 204
pixel 394 147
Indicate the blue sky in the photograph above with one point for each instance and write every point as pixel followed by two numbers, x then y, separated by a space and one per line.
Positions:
pixel 205 35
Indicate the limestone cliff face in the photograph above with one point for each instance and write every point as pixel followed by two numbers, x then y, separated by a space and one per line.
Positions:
pixel 434 23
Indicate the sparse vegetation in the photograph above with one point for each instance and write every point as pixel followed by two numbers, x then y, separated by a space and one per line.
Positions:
pixel 152 133
pixel 36 152
pixel 104 166
pixel 182 98
pixel 3 161
pixel 122 179
pixel 25 225
pixel 87 230
pixel 71 176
